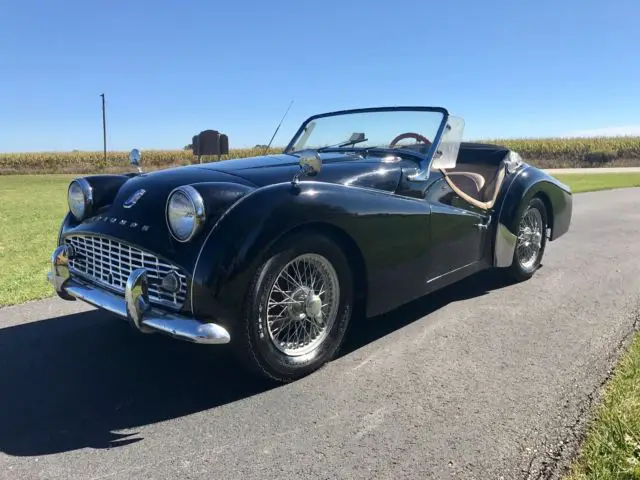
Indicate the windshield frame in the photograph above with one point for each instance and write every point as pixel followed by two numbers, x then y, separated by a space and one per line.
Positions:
pixel 424 165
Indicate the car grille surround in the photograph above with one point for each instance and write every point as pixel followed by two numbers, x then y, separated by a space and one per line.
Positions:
pixel 108 263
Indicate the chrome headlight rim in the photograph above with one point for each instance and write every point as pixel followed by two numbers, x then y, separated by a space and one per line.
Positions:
pixel 198 207
pixel 87 192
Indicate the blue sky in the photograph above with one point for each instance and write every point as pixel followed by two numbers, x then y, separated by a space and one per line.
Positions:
pixel 510 68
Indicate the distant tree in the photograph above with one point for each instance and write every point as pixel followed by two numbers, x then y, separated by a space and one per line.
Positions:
pixel 260 146
pixel 188 147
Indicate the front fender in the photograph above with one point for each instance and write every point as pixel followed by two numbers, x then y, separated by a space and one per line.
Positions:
pixel 391 233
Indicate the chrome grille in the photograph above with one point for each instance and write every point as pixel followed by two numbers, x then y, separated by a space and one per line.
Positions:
pixel 109 263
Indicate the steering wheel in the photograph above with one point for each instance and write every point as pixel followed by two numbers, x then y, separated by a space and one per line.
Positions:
pixel 417 136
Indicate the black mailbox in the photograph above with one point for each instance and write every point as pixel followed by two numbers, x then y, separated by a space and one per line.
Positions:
pixel 195 145
pixel 224 144
pixel 210 142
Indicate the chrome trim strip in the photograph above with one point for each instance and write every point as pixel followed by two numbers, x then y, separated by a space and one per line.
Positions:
pixel 523 168
pixel 504 247
pixel 360 187
pixel 452 271
pixel 135 308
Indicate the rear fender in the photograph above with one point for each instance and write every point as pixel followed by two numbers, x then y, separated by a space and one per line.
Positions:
pixel 531 182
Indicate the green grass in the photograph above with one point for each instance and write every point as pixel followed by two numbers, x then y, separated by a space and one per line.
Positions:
pixel 33 206
pixel 611 449
pixel 31 211
pixel 586 182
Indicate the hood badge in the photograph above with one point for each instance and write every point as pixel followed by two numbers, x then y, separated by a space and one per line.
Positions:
pixel 133 199
pixel 100 218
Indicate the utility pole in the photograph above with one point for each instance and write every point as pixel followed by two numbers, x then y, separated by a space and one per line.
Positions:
pixel 104 129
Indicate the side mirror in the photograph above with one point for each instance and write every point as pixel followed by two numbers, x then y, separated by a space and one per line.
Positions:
pixel 310 164
pixel 134 158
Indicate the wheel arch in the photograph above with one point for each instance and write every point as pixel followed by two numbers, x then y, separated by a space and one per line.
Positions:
pixel 346 243
pixel 528 183
pixel 240 241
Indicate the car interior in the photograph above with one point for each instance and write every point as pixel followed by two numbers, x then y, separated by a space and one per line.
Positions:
pixel 478 174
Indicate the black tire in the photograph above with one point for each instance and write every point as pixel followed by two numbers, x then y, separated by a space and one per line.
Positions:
pixel 517 271
pixel 254 346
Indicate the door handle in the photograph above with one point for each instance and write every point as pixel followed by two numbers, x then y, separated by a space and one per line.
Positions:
pixel 484 226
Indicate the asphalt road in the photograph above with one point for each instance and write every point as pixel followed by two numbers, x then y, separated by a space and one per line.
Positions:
pixel 482 380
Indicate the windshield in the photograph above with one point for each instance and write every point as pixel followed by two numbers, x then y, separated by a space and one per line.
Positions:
pixel 413 128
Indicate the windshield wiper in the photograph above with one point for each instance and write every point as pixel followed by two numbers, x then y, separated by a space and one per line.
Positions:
pixel 353 140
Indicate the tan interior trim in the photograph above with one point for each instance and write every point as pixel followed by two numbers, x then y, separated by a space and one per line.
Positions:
pixel 473 201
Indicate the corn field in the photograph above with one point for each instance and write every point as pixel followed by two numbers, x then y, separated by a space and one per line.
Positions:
pixel 542 152
pixel 577 152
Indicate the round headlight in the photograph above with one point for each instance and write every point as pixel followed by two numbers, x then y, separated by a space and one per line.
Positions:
pixel 80 198
pixel 185 213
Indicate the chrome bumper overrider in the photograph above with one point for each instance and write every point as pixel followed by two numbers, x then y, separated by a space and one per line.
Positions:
pixel 134 307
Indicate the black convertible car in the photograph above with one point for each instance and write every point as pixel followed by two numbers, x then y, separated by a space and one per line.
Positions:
pixel 364 210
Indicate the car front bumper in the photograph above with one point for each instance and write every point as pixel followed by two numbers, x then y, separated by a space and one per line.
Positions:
pixel 134 307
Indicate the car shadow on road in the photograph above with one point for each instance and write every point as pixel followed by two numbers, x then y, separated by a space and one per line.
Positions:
pixel 72 382
pixel 368 330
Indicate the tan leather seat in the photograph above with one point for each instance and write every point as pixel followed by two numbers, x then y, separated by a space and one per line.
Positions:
pixel 468 184
pixel 478 179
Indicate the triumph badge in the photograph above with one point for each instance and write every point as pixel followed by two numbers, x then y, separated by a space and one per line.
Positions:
pixel 133 199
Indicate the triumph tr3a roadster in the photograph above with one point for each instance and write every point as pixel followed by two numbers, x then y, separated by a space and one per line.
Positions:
pixel 365 210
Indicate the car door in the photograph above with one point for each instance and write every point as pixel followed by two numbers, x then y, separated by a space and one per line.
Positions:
pixel 457 233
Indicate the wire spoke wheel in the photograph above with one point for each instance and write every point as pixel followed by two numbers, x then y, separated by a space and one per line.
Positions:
pixel 530 232
pixel 302 304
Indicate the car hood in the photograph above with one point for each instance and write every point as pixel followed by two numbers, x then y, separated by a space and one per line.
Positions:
pixel 254 172
pixel 144 223
pixel 347 169
pixel 157 186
